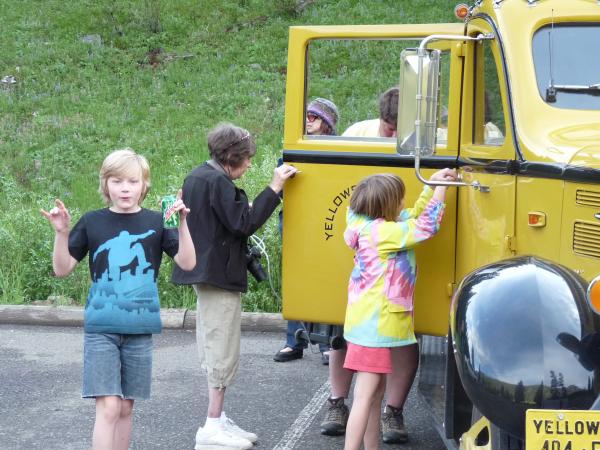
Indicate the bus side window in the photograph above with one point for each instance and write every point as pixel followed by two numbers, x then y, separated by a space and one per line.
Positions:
pixel 489 128
pixel 354 74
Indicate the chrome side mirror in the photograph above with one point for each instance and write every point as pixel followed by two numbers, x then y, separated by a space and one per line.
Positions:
pixel 419 86
pixel 418 101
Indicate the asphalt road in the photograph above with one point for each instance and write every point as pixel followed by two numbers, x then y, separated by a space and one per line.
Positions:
pixel 41 405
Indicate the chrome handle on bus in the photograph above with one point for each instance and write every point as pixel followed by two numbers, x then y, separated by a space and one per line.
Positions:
pixel 430 182
pixel 480 187
pixel 475 184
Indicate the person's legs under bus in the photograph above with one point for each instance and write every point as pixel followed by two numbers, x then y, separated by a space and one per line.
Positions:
pixel 218 335
pixel 405 362
pixel 336 416
pixel 324 330
pixel 367 396
pixel 293 349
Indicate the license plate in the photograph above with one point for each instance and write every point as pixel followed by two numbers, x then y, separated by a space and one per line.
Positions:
pixel 549 429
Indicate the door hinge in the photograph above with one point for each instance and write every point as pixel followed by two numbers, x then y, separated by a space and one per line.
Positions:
pixel 460 49
pixel 511 243
pixel 450 289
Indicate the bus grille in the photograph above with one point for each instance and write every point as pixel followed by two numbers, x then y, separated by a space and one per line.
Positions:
pixel 588 198
pixel 586 239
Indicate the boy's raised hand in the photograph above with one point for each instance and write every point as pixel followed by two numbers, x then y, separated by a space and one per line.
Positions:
pixel 180 206
pixel 59 217
pixel 444 175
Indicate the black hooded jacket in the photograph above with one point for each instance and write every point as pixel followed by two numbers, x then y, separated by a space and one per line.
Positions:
pixel 220 222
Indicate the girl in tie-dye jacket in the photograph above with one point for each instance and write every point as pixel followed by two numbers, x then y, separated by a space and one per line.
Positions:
pixel 379 315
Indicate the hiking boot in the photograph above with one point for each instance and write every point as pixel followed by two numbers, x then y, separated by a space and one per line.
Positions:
pixel 392 426
pixel 336 418
pixel 218 437
pixel 231 427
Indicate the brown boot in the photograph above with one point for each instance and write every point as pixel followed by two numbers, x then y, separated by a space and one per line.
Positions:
pixel 336 418
pixel 392 426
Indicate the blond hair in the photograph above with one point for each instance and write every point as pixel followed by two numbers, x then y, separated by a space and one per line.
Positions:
pixel 121 163
pixel 378 196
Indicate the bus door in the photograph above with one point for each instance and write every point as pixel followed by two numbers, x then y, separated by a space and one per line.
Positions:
pixel 352 67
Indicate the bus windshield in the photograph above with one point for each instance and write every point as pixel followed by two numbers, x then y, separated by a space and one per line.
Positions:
pixel 566 65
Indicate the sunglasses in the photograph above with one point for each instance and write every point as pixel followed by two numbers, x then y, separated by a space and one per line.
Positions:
pixel 312 117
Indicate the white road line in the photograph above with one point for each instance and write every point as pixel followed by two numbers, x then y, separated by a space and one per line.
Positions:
pixel 305 418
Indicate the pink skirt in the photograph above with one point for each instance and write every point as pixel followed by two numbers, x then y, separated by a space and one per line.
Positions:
pixel 368 359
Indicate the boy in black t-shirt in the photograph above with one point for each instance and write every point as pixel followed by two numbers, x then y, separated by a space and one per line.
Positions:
pixel 125 243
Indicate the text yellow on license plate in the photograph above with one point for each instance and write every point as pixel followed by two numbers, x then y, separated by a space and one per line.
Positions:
pixel 549 429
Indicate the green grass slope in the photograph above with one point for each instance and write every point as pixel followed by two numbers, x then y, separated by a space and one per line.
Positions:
pixel 156 76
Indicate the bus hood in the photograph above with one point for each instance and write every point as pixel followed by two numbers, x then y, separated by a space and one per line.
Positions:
pixel 588 156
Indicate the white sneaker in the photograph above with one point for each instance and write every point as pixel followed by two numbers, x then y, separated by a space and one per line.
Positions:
pixel 230 426
pixel 218 438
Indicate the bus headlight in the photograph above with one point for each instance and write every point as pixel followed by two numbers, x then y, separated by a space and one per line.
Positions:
pixel 593 294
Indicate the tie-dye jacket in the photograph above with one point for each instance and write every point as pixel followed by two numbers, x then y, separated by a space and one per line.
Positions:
pixel 383 279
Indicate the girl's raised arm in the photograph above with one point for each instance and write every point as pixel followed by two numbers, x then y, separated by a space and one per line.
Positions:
pixel 439 193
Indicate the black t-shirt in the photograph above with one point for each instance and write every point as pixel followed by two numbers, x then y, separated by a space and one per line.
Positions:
pixel 125 255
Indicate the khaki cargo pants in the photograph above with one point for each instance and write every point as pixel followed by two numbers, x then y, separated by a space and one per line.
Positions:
pixel 218 333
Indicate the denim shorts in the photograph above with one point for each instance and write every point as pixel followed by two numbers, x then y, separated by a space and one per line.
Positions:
pixel 117 364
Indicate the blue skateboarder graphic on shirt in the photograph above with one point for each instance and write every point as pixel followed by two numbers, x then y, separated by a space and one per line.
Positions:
pixel 125 292
pixel 121 253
